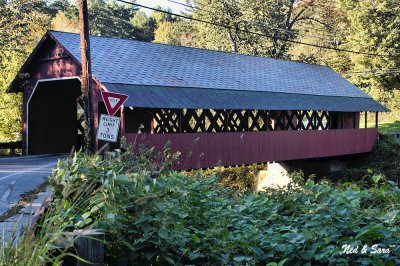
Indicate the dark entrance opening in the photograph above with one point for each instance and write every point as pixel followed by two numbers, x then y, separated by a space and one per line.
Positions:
pixel 54 119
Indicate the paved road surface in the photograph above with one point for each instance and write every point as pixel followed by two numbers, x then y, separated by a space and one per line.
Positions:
pixel 22 174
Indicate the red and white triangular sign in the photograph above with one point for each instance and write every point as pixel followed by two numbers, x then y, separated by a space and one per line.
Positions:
pixel 113 101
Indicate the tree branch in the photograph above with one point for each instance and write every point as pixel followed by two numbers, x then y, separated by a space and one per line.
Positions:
pixel 316 20
pixel 297 17
pixel 289 14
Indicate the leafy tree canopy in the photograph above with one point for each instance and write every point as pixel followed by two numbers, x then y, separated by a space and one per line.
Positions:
pixel 359 25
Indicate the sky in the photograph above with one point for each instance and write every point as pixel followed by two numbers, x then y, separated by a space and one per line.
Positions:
pixel 164 3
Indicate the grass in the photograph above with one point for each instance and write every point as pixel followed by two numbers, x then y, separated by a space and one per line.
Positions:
pixel 389 127
pixel 384 127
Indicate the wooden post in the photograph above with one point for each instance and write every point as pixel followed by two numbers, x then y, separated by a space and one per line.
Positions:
pixel 365 120
pixel 342 120
pixel 203 121
pixel 86 75
pixel 247 128
pixel 227 120
pixel 376 119
pixel 180 120
pixel 87 245
pixel 152 122
pixel 122 117
pixel 315 114
pixel 90 246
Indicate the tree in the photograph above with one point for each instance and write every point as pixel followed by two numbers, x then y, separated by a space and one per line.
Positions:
pixel 327 27
pixel 110 19
pixel 180 32
pixel 375 28
pixel 54 7
pixel 253 27
pixel 21 26
pixel 160 17
pixel 144 25
pixel 62 22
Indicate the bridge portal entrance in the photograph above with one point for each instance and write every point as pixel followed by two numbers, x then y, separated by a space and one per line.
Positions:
pixel 54 117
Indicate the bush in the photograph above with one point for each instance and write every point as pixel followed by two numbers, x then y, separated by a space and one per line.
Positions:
pixel 171 218
pixel 385 159
pixel 239 178
pixel 153 216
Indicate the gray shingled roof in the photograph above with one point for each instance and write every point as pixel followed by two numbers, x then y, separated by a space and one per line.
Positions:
pixel 174 97
pixel 128 62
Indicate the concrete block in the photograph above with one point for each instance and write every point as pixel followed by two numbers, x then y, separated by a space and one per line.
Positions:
pixel 275 176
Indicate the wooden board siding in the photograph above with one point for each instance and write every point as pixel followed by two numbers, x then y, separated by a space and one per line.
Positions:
pixel 236 148
pixel 53 62
pixel 50 62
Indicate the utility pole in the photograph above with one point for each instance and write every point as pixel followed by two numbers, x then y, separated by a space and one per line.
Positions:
pixel 87 90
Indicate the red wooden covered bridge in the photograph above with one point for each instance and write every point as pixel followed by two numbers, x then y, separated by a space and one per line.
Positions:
pixel 216 108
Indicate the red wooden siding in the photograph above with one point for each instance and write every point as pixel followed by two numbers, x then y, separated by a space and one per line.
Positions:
pixel 235 148
pixel 52 61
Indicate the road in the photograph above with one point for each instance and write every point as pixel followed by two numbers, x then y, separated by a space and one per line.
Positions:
pixel 19 175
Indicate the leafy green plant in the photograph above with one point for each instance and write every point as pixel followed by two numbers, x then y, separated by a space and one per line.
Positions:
pixel 384 161
pixel 154 216
pixel 177 219
pixel 39 245
pixel 240 178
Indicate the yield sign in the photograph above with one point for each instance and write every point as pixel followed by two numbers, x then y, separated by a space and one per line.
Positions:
pixel 113 101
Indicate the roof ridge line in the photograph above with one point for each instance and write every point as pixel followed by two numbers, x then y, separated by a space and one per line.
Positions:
pixel 197 48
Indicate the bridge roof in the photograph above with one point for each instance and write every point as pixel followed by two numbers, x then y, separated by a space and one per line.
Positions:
pixel 166 76
pixel 182 97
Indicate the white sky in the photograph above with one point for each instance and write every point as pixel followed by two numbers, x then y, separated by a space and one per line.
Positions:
pixel 164 3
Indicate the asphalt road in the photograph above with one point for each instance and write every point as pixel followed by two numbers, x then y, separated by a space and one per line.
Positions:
pixel 19 175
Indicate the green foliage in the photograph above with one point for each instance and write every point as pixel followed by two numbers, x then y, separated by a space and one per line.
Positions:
pixel 179 32
pixel 359 25
pixel 145 25
pixel 110 19
pixel 159 217
pixel 41 244
pixel 23 23
pixel 372 27
pixel 241 178
pixel 278 21
pixel 393 127
pixel 153 216
pixel 161 17
pixel 21 26
pixel 33 248
pixel 385 160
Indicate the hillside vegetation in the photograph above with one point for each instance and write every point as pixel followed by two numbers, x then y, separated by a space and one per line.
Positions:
pixel 311 31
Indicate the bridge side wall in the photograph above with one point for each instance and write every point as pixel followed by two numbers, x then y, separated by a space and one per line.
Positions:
pixel 203 150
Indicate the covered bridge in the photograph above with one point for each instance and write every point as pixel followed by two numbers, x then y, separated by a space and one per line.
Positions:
pixel 216 108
